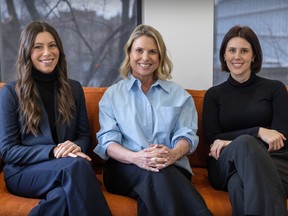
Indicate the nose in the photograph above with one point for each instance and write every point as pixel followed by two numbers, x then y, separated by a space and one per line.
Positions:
pixel 46 51
pixel 237 54
pixel 145 55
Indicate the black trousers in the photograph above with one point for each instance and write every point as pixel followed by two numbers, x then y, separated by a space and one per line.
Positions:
pixel 166 193
pixel 256 180
pixel 67 186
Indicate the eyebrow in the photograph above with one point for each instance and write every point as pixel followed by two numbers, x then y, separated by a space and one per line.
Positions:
pixel 43 43
pixel 231 47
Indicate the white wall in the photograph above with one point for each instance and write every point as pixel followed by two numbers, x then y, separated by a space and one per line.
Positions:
pixel 187 29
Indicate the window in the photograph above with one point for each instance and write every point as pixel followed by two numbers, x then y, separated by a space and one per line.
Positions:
pixel 269 21
pixel 93 33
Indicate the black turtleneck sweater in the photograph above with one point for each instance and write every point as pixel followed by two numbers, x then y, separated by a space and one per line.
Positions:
pixel 46 87
pixel 232 108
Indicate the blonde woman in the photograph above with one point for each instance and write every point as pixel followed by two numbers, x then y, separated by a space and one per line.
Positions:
pixel 148 126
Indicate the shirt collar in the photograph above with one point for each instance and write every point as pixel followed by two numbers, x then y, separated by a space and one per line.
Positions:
pixel 235 83
pixel 131 81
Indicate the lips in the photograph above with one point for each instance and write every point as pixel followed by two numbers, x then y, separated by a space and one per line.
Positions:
pixel 237 64
pixel 145 65
pixel 46 61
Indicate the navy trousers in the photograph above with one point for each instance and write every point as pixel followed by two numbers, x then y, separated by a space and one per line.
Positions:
pixel 166 193
pixel 67 186
pixel 255 184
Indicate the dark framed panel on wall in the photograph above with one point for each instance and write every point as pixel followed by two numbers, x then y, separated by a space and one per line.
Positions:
pixel 93 33
pixel 269 21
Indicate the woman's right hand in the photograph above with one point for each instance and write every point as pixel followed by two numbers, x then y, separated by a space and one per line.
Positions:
pixel 69 149
pixel 217 146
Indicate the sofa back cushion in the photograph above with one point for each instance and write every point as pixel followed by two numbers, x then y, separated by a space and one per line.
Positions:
pixel 200 156
pixel 93 96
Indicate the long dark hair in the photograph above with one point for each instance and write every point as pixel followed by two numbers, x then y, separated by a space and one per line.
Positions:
pixel 26 87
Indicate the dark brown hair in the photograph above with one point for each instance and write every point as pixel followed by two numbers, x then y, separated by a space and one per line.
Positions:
pixel 249 35
pixel 26 87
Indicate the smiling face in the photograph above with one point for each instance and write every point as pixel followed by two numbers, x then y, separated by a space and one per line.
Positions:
pixel 239 56
pixel 45 53
pixel 144 58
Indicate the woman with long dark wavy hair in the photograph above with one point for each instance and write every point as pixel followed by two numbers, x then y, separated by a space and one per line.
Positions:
pixel 44 131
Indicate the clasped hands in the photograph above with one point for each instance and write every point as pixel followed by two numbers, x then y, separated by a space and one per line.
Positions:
pixel 156 157
pixel 69 149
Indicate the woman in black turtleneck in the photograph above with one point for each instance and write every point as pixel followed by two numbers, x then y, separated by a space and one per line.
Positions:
pixel 44 131
pixel 245 122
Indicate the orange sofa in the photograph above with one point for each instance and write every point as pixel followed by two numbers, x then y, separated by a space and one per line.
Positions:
pixel 217 201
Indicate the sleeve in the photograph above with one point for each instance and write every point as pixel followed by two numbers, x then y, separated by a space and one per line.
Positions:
pixel 211 121
pixel 186 126
pixel 280 110
pixel 83 138
pixel 12 150
pixel 109 130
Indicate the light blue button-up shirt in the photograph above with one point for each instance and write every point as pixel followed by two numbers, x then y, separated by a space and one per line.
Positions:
pixel 164 115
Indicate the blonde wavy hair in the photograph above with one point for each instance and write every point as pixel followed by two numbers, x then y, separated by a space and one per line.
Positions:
pixel 163 72
pixel 26 89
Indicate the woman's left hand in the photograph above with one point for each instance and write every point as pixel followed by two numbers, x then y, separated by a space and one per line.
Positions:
pixel 273 138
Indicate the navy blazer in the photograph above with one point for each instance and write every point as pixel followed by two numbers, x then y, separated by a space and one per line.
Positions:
pixel 19 149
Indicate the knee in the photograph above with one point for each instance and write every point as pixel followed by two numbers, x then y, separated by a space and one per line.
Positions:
pixel 81 164
pixel 245 139
pixel 248 142
pixel 248 146
pixel 77 166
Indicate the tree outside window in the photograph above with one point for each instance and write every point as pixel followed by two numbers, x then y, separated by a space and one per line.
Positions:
pixel 93 33
pixel 269 21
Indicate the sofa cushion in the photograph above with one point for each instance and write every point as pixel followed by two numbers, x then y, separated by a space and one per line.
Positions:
pixel 14 205
pixel 217 201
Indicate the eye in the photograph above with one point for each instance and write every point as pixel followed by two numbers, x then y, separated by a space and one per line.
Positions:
pixel 153 52
pixel 53 45
pixel 139 50
pixel 37 47
pixel 244 50
pixel 232 50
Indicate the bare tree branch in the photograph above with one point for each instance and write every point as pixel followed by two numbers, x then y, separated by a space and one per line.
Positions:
pixel 78 31
pixel 30 5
